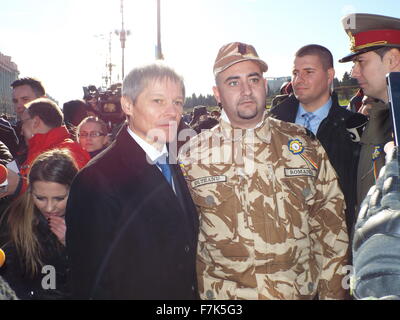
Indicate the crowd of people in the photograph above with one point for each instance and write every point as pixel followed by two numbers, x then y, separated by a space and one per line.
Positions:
pixel 236 203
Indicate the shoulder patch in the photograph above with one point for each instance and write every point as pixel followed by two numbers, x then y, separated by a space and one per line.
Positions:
pixel 378 149
pixel 207 180
pixel 295 146
pixel 300 172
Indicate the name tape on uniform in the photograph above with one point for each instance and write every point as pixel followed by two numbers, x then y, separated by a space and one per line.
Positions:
pixel 300 172
pixel 207 180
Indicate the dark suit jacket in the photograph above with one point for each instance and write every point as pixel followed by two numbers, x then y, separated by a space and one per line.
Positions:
pixel 128 235
pixel 339 134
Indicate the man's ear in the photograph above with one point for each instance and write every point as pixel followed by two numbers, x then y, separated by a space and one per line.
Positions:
pixel 331 75
pixel 266 86
pixel 36 122
pixel 216 94
pixel 394 59
pixel 126 105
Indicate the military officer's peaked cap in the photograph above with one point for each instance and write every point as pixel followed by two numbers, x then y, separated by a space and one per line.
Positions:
pixel 369 32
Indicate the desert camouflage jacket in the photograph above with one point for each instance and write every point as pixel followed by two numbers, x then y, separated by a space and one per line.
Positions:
pixel 272 220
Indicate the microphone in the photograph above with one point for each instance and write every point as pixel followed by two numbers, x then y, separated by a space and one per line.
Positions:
pixel 2 257
pixel 3 178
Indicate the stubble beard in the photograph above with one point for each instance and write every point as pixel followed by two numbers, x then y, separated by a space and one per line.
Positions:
pixel 248 112
pixel 247 115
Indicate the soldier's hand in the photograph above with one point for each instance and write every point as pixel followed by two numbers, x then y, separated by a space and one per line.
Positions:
pixel 376 241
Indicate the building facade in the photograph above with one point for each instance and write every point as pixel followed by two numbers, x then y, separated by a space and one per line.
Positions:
pixel 8 73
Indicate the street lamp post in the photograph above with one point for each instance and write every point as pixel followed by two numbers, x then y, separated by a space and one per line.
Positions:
pixel 159 55
pixel 122 37
pixel 109 65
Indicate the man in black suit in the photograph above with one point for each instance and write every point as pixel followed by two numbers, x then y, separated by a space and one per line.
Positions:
pixel 132 228
pixel 314 106
pixel 24 90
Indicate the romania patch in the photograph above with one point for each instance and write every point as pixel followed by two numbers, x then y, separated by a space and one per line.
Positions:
pixel 207 180
pixel 377 152
pixel 295 146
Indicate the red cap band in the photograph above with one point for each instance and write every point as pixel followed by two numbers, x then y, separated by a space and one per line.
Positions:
pixel 372 38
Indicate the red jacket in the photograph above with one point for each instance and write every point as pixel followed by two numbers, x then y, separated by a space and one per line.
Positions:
pixel 57 138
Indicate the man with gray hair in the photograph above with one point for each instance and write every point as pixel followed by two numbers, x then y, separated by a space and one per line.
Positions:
pixel 131 224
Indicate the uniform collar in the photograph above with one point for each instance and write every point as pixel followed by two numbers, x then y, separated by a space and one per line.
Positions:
pixel 225 118
pixel 378 108
pixel 378 125
pixel 262 129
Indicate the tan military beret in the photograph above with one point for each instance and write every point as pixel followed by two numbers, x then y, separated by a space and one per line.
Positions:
pixel 235 52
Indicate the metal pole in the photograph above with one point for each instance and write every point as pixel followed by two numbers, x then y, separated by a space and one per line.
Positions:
pixel 123 63
pixel 122 37
pixel 159 55
pixel 110 63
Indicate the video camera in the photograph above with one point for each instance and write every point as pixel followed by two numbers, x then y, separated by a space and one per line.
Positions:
pixel 106 103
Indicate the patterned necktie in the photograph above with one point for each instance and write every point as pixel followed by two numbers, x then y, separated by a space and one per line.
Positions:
pixel 162 163
pixel 307 119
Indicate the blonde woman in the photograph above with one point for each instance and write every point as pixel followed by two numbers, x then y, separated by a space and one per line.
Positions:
pixel 92 134
pixel 33 230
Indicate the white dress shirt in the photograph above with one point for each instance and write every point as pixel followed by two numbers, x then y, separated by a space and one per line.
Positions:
pixel 152 154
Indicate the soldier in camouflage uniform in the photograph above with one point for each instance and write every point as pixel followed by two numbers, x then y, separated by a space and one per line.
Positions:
pixel 272 222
